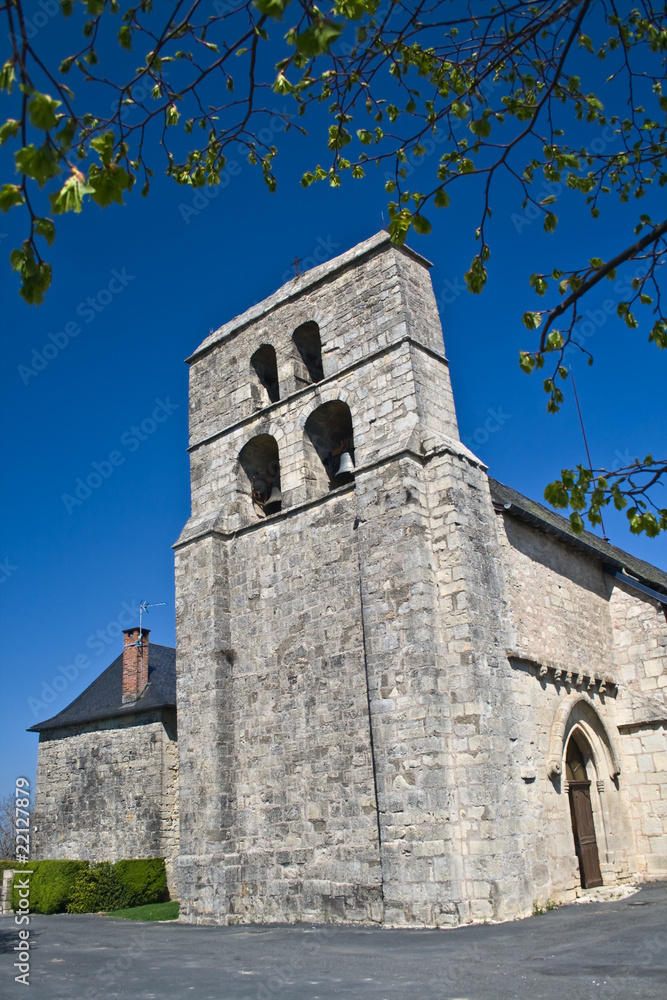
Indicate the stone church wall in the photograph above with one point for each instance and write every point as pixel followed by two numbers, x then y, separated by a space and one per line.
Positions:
pixel 108 790
pixel 640 638
pixel 568 615
pixel 372 683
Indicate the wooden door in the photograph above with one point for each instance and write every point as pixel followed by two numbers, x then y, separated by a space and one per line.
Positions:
pixel 584 834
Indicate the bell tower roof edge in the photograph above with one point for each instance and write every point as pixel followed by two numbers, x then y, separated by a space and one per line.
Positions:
pixel 297 286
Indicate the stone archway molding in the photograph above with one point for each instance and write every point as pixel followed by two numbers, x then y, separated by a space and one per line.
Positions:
pixel 558 732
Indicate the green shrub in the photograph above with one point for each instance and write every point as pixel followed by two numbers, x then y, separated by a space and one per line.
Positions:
pixel 51 884
pixel 145 880
pixel 86 887
pixel 97 888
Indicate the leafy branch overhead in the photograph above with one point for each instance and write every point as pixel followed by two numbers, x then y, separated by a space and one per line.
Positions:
pixel 496 88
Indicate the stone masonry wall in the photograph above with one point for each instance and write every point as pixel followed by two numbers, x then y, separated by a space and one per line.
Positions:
pixel 107 791
pixel 640 639
pixel 568 615
pixel 367 728
pixel 559 601
pixel 299 836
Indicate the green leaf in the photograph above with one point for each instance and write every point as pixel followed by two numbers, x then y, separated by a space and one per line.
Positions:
pixel 42 111
pixel 103 144
pixel 10 195
pixel 272 8
pixel 46 228
pixel 481 127
pixel 475 278
pixel 7 76
pixel 70 196
pixel 421 225
pixel 351 10
pixel 554 342
pixel 538 283
pixel 319 37
pixel 9 130
pixel 550 222
pixel 556 494
pixel 658 334
pixel 108 184
pixel 38 163
pixel 35 275
pixel 532 320
pixel 576 522
pixel 66 134
pixel 526 362
pixel 441 199
pixel 125 37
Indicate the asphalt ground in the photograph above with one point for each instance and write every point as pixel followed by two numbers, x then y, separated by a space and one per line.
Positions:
pixel 614 949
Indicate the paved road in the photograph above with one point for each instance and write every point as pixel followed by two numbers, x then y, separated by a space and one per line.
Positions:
pixel 610 950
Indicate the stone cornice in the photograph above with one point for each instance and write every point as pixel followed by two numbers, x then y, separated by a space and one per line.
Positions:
pixel 323 383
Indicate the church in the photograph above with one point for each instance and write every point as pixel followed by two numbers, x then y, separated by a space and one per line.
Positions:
pixel 406 695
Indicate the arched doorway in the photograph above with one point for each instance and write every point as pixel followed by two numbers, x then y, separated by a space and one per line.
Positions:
pixel 581 812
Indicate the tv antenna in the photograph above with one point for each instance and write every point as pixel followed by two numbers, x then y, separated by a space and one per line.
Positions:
pixel 144 606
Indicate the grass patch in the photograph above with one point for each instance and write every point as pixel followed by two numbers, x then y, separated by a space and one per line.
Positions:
pixel 550 904
pixel 150 911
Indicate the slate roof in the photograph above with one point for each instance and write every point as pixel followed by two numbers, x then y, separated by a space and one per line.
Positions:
pixel 554 524
pixel 102 698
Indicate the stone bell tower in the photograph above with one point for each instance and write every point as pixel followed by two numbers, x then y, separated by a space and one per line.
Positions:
pixel 340 618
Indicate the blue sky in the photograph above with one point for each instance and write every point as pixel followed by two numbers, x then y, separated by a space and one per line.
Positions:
pixel 137 289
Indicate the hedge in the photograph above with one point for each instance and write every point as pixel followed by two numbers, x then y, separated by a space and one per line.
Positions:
pixel 145 880
pixel 103 886
pixel 51 884
pixel 88 887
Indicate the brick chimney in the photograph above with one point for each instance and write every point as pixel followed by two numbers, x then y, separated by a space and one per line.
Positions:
pixel 135 663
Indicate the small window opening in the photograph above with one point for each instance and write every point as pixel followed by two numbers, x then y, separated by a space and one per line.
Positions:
pixel 260 462
pixel 266 368
pixel 309 349
pixel 575 766
pixel 331 440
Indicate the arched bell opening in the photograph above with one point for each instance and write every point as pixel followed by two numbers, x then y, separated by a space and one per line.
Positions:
pixel 329 442
pixel 260 462
pixel 308 355
pixel 580 772
pixel 265 366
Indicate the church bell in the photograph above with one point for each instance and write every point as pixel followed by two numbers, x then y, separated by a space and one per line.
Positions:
pixel 274 498
pixel 346 463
